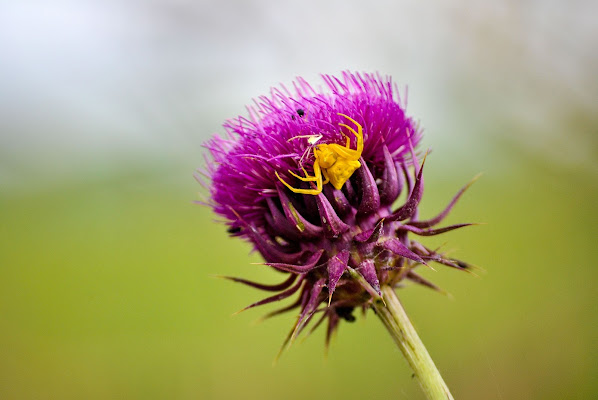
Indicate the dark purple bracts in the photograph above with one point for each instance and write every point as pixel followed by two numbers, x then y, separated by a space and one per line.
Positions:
pixel 337 247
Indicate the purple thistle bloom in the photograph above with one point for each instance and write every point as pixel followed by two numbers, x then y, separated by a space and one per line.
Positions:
pixel 336 246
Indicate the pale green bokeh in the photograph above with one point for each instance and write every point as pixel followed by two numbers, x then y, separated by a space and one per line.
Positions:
pixel 107 290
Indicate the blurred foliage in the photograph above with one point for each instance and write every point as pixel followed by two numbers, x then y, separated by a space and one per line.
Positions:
pixel 108 290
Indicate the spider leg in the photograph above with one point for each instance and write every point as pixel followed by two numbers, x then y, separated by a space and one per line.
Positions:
pixel 300 191
pixel 344 152
pixel 352 131
pixel 348 145
pixel 307 177
pixel 318 174
pixel 303 156
pixel 317 178
pixel 358 134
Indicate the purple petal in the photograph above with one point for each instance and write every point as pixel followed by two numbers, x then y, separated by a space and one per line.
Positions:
pixel 299 268
pixel 391 183
pixel 333 225
pixel 410 207
pixel 431 232
pixel 362 282
pixel 337 199
pixel 306 228
pixel 272 251
pixel 310 307
pixel 278 297
pixel 279 223
pixel 367 269
pixel 400 249
pixel 370 235
pixel 270 288
pixel 349 190
pixel 336 267
pixel 370 198
pixel 407 176
pixel 458 264
pixel 282 310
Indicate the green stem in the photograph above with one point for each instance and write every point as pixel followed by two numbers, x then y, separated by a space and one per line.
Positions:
pixel 393 316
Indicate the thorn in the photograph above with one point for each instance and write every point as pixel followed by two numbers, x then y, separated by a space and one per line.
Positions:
pixel 476 268
pixel 429 266
pixel 475 178
pixel 258 321
pixel 285 344
pixel 238 312
pixel 439 247
pixel 425 155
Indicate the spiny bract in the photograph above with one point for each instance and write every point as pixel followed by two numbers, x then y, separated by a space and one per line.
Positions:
pixel 336 244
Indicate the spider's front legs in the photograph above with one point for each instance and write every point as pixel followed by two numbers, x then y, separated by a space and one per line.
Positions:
pixel 347 152
pixel 307 178
pixel 317 177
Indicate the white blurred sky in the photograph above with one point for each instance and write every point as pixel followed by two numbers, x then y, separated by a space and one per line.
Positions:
pixel 93 81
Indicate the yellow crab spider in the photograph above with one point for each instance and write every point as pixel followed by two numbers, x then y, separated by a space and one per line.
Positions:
pixel 333 162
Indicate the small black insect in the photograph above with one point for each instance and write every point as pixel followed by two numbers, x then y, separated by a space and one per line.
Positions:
pixel 234 229
pixel 345 313
pixel 300 112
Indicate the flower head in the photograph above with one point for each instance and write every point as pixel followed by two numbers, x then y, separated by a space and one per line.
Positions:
pixel 310 178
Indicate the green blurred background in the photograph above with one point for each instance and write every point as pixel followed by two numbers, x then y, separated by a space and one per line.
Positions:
pixel 107 286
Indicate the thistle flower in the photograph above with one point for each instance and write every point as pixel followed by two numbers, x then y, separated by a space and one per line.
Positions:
pixel 310 179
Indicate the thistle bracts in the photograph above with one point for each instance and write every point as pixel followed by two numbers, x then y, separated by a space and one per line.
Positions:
pixel 337 247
